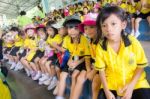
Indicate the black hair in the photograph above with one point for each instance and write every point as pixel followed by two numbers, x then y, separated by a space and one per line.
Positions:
pixel 81 12
pixel 85 7
pixel 49 23
pixel 16 29
pixel 103 15
pixel 80 3
pixel 38 28
pixel 44 29
pixel 55 30
pixel 22 13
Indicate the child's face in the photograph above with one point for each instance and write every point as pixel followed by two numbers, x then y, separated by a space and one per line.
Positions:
pixel 62 31
pixel 85 10
pixel 112 27
pixel 30 32
pixel 14 32
pixel 73 31
pixel 50 31
pixel 41 33
pixel 90 31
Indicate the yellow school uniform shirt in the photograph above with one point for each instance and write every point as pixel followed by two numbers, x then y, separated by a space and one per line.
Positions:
pixel 49 40
pixel 81 18
pixel 19 41
pixel 71 11
pixel 80 9
pixel 58 39
pixel 128 8
pixel 119 68
pixel 143 10
pixel 131 9
pixel 30 44
pixel 81 49
pixel 105 2
pixel 92 50
pixel 4 91
pixel 6 44
pixel 124 6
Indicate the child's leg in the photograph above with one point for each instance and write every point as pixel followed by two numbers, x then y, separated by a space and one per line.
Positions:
pixel 74 81
pixel 33 66
pixel 58 77
pixel 42 64
pixel 13 62
pixel 137 22
pixel 95 86
pixel 62 84
pixel 36 61
pixel 53 72
pixel 148 19
pixel 25 64
pixel 58 71
pixel 48 68
pixel 79 85
pixel 16 59
pixel 133 26
pixel 11 58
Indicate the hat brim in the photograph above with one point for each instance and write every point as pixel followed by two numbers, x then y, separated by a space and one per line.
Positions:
pixel 71 21
pixel 88 23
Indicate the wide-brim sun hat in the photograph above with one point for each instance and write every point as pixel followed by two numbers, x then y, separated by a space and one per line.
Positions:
pixel 72 20
pixel 89 20
pixel 29 26
pixel 59 24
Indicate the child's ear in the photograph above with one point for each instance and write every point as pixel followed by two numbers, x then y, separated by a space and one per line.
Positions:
pixel 124 24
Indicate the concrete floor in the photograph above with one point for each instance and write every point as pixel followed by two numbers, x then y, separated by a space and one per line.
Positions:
pixel 25 88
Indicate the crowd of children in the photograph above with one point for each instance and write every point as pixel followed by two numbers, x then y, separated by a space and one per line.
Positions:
pixel 84 41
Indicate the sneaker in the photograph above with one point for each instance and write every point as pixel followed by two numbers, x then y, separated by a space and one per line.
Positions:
pixel 27 72
pixel 37 76
pixel 44 77
pixel 10 62
pixel 13 66
pixel 33 74
pixel 52 84
pixel 59 97
pixel 18 67
pixel 137 34
pixel 48 81
pixel 132 32
pixel 40 82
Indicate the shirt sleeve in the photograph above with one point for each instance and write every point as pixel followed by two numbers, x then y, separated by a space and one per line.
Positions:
pixel 87 48
pixel 99 60
pixel 65 42
pixel 57 39
pixel 141 59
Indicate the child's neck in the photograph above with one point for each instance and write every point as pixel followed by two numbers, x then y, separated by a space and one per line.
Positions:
pixel 113 41
pixel 94 38
pixel 76 39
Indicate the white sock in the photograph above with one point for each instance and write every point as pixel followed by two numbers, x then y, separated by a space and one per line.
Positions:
pixel 137 34
pixel 59 97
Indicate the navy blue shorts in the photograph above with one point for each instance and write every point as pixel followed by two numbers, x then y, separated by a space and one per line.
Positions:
pixel 142 93
pixel 14 51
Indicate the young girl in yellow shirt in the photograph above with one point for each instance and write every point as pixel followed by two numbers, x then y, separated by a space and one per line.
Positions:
pixel 120 58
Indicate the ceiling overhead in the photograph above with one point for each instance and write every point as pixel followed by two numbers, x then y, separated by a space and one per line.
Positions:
pixel 11 8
